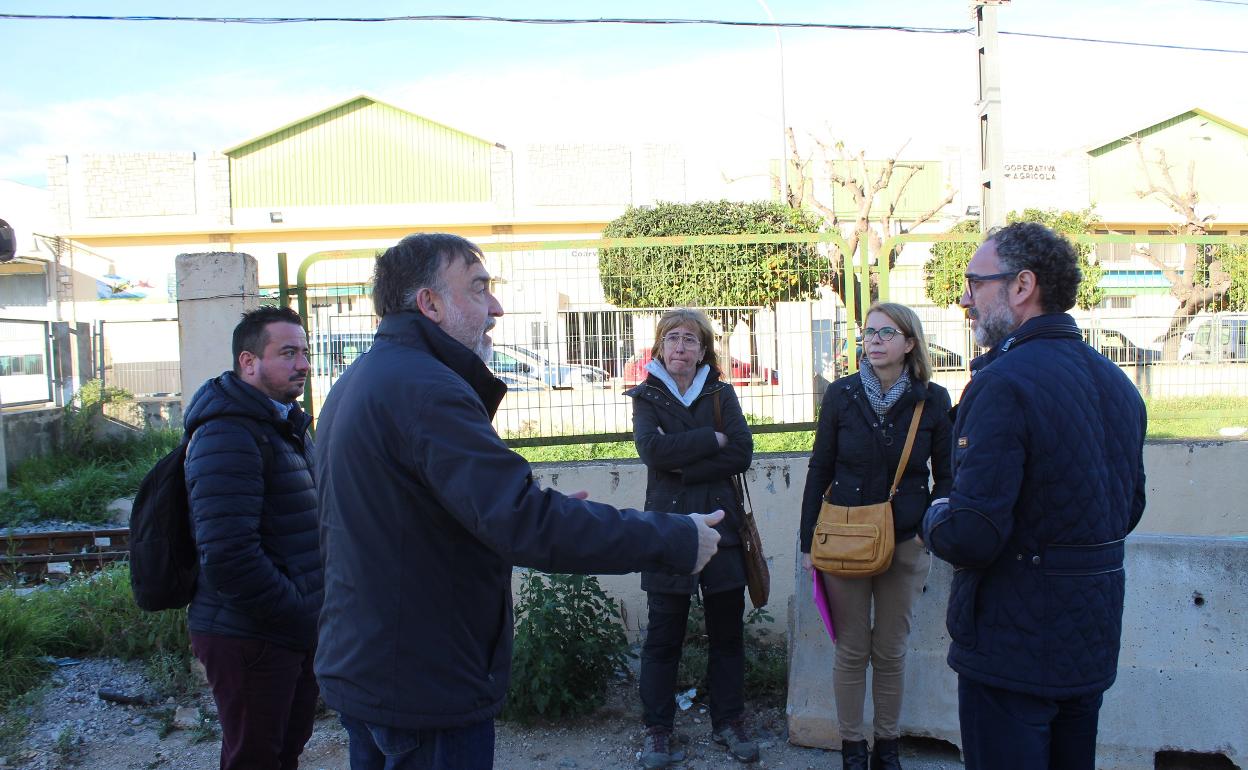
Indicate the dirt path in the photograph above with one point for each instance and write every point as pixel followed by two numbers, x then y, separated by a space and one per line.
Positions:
pixel 71 727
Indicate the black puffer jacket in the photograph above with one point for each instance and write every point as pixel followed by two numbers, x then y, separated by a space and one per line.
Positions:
pixel 254 513
pixel 687 472
pixel 856 453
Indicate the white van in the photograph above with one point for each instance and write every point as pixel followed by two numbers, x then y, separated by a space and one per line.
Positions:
pixel 1215 337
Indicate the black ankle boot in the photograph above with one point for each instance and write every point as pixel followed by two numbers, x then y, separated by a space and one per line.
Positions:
pixel 854 755
pixel 885 755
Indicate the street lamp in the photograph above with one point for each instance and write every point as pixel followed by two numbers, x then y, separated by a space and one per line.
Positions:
pixel 784 140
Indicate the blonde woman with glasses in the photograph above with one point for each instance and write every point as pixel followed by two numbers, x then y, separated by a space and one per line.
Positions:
pixel 691 457
pixel 858 444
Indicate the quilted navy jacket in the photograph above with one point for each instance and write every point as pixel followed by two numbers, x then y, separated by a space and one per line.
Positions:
pixel 255 526
pixel 1048 481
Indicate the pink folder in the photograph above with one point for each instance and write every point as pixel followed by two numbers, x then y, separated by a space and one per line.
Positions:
pixel 823 604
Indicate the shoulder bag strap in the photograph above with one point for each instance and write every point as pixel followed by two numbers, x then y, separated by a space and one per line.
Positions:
pixel 905 453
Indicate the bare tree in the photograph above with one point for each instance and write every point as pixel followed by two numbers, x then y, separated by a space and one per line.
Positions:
pixel 875 194
pixel 1202 280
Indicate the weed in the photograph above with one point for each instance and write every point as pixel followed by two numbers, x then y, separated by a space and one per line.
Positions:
pixel 25 636
pixel 66 740
pixel 15 717
pixel 205 731
pixel 568 645
pixel 170 673
pixel 107 622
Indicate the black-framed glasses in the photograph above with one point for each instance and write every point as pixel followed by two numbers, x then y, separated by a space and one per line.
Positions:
pixel 885 333
pixel 973 280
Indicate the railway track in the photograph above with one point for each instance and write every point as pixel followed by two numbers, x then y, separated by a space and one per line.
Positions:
pixel 36 557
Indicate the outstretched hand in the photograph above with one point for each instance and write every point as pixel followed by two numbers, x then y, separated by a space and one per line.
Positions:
pixel 708 538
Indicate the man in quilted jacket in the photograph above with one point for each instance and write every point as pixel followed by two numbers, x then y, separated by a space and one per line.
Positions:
pixel 1048 481
pixel 253 506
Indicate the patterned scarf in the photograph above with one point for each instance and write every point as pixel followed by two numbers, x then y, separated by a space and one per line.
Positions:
pixel 881 402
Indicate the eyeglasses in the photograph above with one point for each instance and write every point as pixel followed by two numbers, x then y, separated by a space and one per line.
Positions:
pixel 973 280
pixel 681 340
pixel 885 333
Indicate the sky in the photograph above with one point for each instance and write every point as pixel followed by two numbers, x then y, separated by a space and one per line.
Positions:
pixel 113 86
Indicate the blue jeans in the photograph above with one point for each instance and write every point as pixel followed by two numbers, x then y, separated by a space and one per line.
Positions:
pixel 378 747
pixel 1001 729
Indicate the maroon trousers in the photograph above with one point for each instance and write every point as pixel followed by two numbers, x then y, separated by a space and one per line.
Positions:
pixel 266 700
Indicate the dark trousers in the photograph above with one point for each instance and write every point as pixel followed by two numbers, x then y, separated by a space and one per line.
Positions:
pixel 378 747
pixel 266 700
pixel 725 667
pixel 1001 729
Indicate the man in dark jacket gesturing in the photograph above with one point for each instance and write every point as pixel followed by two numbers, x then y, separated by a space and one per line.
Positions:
pixel 424 510
pixel 253 507
pixel 1048 480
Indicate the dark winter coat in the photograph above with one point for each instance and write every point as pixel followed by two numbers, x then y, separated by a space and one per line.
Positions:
pixel 255 519
pixel 856 453
pixel 1048 481
pixel 687 472
pixel 424 511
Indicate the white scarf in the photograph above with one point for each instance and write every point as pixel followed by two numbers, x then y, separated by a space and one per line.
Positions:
pixel 687 398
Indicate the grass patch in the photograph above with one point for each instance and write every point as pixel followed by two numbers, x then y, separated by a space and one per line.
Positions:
pixel 78 484
pixel 91 615
pixel 1197 417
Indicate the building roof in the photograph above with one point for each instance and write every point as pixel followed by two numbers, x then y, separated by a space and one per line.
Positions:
pixel 1172 120
pixel 360 96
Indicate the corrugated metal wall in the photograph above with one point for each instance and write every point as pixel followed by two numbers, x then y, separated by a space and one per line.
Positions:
pixel 362 153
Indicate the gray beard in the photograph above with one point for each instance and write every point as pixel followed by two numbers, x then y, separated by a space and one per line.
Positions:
pixel 992 328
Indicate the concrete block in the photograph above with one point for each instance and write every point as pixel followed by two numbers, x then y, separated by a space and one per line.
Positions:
pixel 1182 672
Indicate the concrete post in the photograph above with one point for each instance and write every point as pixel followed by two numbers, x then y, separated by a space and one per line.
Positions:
pixel 214 290
pixel 62 364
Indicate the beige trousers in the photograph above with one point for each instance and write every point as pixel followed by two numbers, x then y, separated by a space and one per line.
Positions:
pixel 882 643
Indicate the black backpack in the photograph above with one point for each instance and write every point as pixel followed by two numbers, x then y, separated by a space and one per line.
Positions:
pixel 164 562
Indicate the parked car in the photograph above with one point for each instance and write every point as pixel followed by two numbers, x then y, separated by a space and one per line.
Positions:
pixel 742 372
pixel 1216 337
pixel 513 359
pixel 1117 347
pixel 517 381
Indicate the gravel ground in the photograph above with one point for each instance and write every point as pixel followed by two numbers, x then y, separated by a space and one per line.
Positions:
pixel 71 727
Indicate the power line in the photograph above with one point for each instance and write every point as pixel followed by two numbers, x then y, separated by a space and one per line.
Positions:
pixel 1125 42
pixel 1227 2
pixel 630 21
pixel 501 19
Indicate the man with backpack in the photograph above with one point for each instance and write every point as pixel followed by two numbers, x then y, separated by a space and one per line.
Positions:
pixel 253 506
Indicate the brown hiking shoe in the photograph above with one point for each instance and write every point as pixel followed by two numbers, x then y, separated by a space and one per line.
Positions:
pixel 733 736
pixel 659 750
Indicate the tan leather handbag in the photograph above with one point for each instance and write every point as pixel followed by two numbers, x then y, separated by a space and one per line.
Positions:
pixel 858 540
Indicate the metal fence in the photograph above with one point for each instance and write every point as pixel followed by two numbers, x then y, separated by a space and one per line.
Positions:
pixel 140 356
pixel 568 348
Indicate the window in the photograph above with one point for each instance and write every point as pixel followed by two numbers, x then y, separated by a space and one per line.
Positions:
pixel 23 290
pixel 1117 302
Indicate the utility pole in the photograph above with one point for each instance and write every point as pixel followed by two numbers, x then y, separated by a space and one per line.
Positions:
pixel 784 126
pixel 991 164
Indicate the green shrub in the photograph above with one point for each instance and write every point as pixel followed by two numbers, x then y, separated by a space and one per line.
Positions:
pixel 766 659
pixel 569 643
